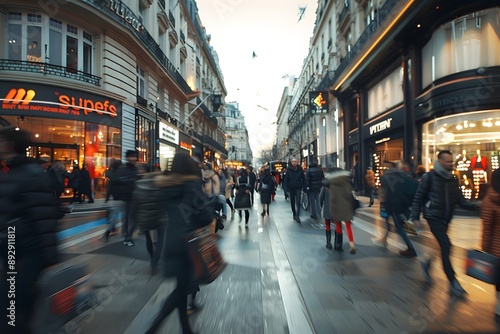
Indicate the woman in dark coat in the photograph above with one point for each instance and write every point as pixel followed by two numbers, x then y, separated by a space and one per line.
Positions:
pixel 85 185
pixel 74 183
pixel 490 215
pixel 187 208
pixel 266 187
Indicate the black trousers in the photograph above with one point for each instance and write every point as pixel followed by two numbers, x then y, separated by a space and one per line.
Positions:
pixel 154 250
pixel 440 231
pixel 295 200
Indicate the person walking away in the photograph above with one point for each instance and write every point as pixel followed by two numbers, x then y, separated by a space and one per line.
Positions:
pixel 314 177
pixel 283 184
pixel 222 191
pixel 324 203
pixel 340 190
pixel 370 184
pixel 228 191
pixel 252 181
pixel 117 206
pixel 123 187
pixel 397 193
pixel 265 188
pixel 437 194
pixel 186 207
pixel 85 185
pixel 243 186
pixel 295 183
pixel 490 216
pixel 29 217
pixel 74 183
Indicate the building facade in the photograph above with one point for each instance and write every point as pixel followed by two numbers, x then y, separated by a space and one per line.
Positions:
pixel 92 79
pixel 239 151
pixel 408 79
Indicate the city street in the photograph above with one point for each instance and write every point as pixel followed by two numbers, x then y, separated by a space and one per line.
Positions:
pixel 281 279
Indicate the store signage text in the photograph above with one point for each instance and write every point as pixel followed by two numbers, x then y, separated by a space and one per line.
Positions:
pixel 185 145
pixel 383 140
pixel 384 125
pixel 168 133
pixel 124 12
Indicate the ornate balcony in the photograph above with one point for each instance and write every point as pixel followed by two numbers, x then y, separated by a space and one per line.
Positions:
pixel 48 69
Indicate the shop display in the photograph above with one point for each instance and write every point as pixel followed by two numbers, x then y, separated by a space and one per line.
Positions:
pixel 494 161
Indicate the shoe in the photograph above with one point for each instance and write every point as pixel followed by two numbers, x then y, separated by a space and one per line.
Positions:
pixel 370 205
pixel 328 239
pixel 382 242
pixel 426 266
pixel 339 242
pixel 298 219
pixel 129 243
pixel 408 253
pixel 263 213
pixel 456 289
pixel 352 248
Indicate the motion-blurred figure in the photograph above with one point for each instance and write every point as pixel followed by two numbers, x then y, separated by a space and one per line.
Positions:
pixel 490 215
pixel 28 221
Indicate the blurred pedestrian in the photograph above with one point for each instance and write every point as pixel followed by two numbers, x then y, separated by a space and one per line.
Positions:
pixel 222 192
pixel 74 183
pixel 283 184
pixel 28 222
pixel 295 183
pixel 419 172
pixel 123 180
pixel 243 188
pixel 324 203
pixel 370 184
pixel 228 190
pixel 437 194
pixel 181 201
pixel 265 188
pixel 314 177
pixel 340 189
pixel 252 177
pixel 396 195
pixel 490 215
pixel 85 188
pixel 117 206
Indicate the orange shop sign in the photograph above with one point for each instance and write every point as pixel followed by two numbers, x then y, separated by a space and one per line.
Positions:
pixel 46 101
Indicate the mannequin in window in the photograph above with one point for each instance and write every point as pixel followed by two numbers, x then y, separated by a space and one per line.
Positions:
pixel 478 161
pixel 462 162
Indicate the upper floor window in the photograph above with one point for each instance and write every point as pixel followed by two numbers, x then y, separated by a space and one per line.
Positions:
pixel 141 83
pixel 39 38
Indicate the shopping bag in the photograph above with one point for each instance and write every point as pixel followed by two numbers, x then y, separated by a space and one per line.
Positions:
pixel 482 266
pixel 409 227
pixel 242 201
pixel 207 261
pixel 383 213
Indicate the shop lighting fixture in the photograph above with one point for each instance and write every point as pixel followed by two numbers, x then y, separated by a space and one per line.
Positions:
pixel 497 123
pixel 472 125
pixel 459 127
pixel 37 135
pixel 466 124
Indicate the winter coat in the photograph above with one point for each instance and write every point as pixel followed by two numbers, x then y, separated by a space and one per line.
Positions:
pixel 212 182
pixel 229 187
pixel 314 176
pixel 370 178
pixel 341 198
pixel 29 210
pixel 490 215
pixel 252 180
pixel 122 182
pixel 74 178
pixel 397 191
pixel 85 182
pixel 295 179
pixel 187 208
pixel 266 187
pixel 438 193
pixel 324 202
pixel 146 203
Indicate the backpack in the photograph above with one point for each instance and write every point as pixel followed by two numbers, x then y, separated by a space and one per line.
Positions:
pixel 147 209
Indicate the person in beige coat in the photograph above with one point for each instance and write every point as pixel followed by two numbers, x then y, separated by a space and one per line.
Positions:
pixel 490 215
pixel 341 205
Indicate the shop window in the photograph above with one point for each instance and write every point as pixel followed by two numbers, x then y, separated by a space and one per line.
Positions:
pixel 33 44
pixel 15 38
pixel 474 140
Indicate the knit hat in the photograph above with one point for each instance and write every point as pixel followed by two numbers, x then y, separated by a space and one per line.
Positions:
pixel 495 180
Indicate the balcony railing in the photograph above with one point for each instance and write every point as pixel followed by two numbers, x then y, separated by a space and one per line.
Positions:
pixel 125 16
pixel 171 18
pixel 215 144
pixel 142 101
pixel 48 69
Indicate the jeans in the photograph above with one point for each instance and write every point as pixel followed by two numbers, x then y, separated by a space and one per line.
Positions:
pixel 314 202
pixel 398 223
pixel 114 212
pixel 295 201
pixel 440 229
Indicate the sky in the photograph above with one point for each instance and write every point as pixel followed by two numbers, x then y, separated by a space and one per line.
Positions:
pixel 271 29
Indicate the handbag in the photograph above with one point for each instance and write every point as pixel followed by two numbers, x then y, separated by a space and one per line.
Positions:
pixel 482 266
pixel 207 261
pixel 242 201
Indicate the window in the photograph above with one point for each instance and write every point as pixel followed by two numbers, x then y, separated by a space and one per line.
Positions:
pixel 65 44
pixel 141 83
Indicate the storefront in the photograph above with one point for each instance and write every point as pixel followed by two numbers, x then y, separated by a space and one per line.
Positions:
pixel 72 126
pixel 169 143
pixel 383 140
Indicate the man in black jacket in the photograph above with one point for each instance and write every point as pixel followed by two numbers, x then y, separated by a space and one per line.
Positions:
pixel 295 183
pixel 314 176
pixel 28 224
pixel 438 193
pixel 252 177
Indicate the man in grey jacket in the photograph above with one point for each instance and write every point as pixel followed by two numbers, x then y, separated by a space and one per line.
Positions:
pixel 438 193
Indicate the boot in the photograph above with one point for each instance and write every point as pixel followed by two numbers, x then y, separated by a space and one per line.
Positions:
pixel 339 243
pixel 263 213
pixel 456 289
pixel 352 247
pixel 329 239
